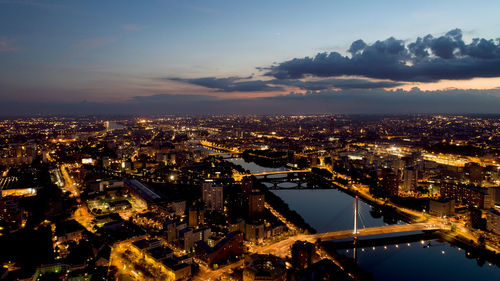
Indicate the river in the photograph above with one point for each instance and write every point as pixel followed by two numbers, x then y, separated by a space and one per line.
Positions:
pixel 331 210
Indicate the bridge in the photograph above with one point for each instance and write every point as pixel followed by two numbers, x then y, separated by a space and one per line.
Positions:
pixel 239 177
pixel 289 173
pixel 282 248
pixel 398 228
pixel 280 172
pixel 224 153
pixel 219 147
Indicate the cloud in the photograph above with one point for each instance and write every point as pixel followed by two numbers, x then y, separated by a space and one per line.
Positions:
pixel 334 83
pixel 379 101
pixel 133 27
pixel 86 45
pixel 7 45
pixel 427 59
pixel 242 84
pixel 230 84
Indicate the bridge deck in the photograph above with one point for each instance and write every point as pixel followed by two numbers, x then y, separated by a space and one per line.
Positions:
pixel 378 230
pixel 282 248
pixel 280 172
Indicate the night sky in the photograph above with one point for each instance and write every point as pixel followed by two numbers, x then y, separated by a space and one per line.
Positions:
pixel 263 57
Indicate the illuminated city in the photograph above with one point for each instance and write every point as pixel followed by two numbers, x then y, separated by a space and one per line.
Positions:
pixel 170 198
pixel 278 140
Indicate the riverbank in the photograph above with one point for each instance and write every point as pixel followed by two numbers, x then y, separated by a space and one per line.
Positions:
pixel 284 210
pixel 327 210
pixel 409 215
pixel 473 248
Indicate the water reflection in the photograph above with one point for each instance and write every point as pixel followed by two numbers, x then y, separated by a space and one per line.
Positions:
pixel 399 259
pixel 395 258
pixel 332 210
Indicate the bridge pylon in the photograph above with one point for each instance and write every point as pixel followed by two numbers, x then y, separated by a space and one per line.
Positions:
pixel 355 230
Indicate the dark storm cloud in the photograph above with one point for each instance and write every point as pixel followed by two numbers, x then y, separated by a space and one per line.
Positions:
pixel 229 84
pixel 427 59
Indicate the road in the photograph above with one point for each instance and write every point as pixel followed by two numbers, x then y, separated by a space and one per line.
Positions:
pixel 282 218
pixel 209 274
pixel 69 182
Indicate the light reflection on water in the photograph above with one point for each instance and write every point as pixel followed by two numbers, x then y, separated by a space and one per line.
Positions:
pixel 332 210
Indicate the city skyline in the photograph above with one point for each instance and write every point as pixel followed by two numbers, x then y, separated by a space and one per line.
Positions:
pixel 316 197
pixel 206 57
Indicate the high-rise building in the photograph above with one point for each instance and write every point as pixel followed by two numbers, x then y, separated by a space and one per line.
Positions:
pixel 256 206
pixel 212 196
pixel 410 176
pixel 196 216
pixel 390 184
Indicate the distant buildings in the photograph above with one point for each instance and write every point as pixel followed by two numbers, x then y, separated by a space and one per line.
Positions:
pixel 212 196
pixel 17 154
